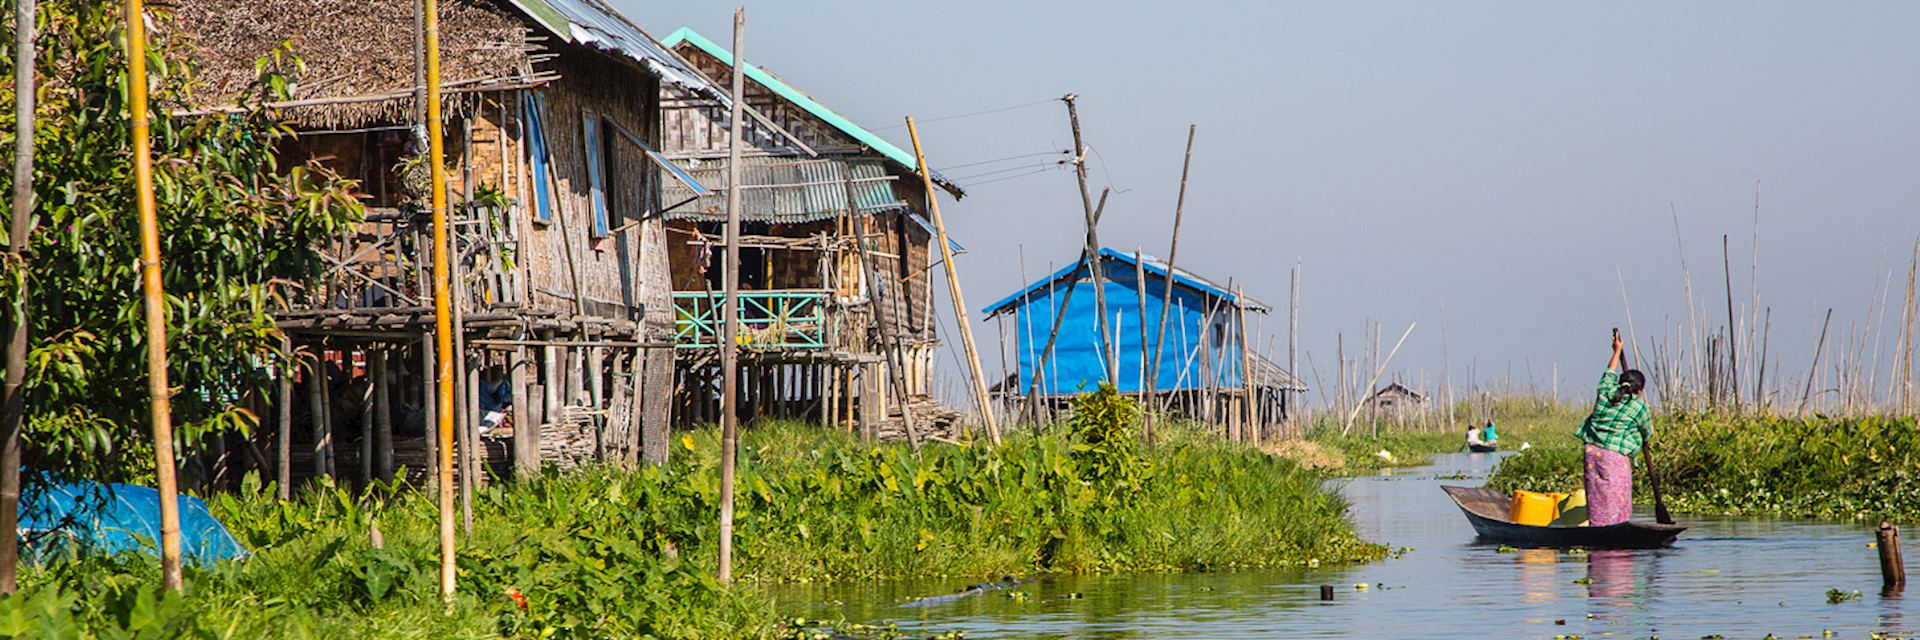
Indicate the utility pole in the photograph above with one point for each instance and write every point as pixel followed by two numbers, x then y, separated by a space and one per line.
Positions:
pixel 442 317
pixel 13 406
pixel 1293 338
pixel 980 398
pixel 729 307
pixel 1095 263
pixel 159 404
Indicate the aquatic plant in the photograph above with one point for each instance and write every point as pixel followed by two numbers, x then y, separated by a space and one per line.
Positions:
pixel 1851 468
pixel 602 552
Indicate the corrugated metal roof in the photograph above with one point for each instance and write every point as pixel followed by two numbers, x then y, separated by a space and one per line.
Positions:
pixel 786 190
pixel 593 23
pixel 1153 266
pixel 807 103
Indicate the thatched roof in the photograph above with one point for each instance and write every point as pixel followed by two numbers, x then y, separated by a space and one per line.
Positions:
pixel 356 49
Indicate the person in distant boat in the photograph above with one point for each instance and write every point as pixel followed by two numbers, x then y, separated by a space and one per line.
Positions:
pixel 1620 424
pixel 1490 434
pixel 1476 439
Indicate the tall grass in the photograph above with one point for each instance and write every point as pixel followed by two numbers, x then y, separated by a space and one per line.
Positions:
pixel 618 553
pixel 1842 468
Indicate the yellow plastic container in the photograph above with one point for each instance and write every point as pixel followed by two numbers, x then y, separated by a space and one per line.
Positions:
pixel 1573 510
pixel 1534 508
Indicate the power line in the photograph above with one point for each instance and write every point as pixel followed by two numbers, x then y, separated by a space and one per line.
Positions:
pixel 1043 165
pixel 1004 159
pixel 972 114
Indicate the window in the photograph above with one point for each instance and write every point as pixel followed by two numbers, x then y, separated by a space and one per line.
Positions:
pixel 596 155
pixel 536 107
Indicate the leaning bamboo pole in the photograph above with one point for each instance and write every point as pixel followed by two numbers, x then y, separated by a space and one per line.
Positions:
pixel 442 317
pixel 1377 370
pixel 1250 429
pixel 159 402
pixel 1096 264
pixel 953 289
pixel 20 226
pixel 1173 253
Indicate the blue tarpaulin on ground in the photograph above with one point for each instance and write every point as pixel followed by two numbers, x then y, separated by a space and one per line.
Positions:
pixel 119 518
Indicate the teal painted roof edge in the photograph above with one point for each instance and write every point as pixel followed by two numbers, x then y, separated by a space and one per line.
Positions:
pixel 688 35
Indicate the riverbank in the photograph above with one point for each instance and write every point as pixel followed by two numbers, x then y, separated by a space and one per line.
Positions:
pixel 1829 468
pixel 602 552
pixel 1335 449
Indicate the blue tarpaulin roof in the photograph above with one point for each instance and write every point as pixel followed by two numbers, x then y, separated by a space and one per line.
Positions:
pixel 120 518
pixel 1153 266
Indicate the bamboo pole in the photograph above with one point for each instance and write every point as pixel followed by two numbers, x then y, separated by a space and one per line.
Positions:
pixel 1287 397
pixel 1250 429
pixel 730 326
pixel 1059 316
pixel 1733 348
pixel 158 392
pixel 1906 349
pixel 1173 253
pixel 20 226
pixel 283 440
pixel 953 289
pixel 1819 348
pixel 896 360
pixel 1376 373
pixel 1146 386
pixel 442 317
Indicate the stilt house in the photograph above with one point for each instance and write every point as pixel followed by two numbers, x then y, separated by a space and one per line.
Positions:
pixel 834 255
pixel 1200 365
pixel 561 291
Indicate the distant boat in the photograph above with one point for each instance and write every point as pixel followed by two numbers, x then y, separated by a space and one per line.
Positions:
pixel 1486 447
pixel 1486 509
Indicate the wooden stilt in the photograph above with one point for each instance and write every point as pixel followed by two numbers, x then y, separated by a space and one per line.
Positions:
pixel 526 438
pixel 367 418
pixel 382 415
pixel 317 410
pixel 283 440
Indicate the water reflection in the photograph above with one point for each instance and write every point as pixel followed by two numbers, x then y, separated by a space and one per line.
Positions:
pixel 1739 577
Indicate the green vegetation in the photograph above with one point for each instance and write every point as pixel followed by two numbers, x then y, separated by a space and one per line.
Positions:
pixel 237 231
pixel 1536 421
pixel 1852 468
pixel 604 552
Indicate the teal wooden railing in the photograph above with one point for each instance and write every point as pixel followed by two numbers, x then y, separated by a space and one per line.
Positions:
pixel 772 319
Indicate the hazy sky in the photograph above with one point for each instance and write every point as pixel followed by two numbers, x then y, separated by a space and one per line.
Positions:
pixel 1505 158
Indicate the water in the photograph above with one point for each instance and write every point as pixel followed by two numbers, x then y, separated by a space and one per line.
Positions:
pixel 1738 577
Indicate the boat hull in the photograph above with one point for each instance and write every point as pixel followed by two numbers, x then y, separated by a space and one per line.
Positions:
pixel 1483 508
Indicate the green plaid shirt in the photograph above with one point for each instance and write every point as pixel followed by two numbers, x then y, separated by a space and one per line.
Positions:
pixel 1620 427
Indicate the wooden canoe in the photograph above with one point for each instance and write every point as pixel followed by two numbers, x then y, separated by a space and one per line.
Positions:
pixel 1483 448
pixel 1487 509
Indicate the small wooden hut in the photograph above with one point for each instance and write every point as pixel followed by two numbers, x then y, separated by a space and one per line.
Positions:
pixel 1200 365
pixel 822 314
pixel 562 300
pixel 1395 402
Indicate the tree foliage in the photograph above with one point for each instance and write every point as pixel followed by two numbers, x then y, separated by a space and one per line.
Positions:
pixel 236 230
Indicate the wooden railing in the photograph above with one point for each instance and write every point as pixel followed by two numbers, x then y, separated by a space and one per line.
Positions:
pixel 770 319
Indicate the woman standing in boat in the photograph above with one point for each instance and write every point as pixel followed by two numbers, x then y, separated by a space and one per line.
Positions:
pixel 1619 425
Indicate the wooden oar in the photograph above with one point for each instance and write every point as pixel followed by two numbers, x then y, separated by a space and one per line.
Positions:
pixel 1660 513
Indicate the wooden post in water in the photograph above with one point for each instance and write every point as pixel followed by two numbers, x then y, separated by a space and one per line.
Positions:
pixel 1733 349
pixel 1893 568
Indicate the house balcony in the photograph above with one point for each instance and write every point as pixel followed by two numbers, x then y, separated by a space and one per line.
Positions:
pixel 771 320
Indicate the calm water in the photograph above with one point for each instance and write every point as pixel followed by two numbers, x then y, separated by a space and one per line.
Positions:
pixel 1743 578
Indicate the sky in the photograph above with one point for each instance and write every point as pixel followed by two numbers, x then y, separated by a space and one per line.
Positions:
pixel 1512 163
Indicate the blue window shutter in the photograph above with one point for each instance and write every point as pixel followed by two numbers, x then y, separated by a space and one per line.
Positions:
pixel 595 168
pixel 537 156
